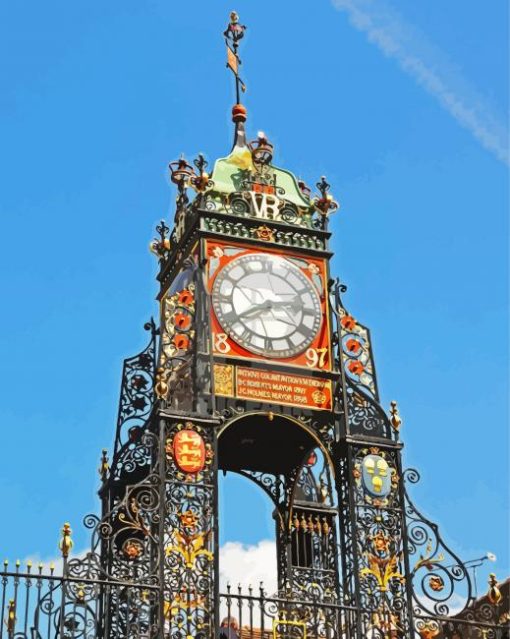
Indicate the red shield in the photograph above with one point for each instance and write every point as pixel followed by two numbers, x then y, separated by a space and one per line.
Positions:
pixel 189 451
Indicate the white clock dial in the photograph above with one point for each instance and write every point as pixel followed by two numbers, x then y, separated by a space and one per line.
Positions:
pixel 267 305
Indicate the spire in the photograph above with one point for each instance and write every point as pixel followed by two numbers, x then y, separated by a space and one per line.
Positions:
pixel 233 34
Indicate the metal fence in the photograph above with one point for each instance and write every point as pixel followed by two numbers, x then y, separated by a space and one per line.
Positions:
pixel 38 604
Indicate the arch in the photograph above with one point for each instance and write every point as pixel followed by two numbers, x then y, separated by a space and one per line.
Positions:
pixel 272 417
pixel 246 446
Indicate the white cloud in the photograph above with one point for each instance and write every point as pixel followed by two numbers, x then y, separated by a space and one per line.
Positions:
pixel 430 68
pixel 239 564
pixel 248 565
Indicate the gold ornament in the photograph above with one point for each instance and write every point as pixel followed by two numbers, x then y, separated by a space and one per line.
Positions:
pixel 494 595
pixel 66 543
pixel 396 420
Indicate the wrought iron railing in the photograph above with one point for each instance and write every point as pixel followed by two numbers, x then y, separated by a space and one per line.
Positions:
pixel 39 604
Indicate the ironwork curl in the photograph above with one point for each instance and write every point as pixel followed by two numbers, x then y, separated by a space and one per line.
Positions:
pixel 441 583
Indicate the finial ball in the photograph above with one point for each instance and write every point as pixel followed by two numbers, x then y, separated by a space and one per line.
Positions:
pixel 239 113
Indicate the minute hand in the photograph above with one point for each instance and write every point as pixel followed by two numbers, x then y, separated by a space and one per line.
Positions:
pixel 294 304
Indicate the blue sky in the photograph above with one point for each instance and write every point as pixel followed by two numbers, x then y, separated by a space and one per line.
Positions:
pixel 402 105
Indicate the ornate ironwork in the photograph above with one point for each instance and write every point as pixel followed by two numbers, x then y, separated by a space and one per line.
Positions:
pixel 136 391
pixel 242 230
pixel 442 584
pixel 366 417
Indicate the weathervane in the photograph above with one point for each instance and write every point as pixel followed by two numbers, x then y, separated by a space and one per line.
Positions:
pixel 233 34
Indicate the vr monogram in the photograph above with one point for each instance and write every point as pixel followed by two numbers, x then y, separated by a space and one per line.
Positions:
pixel 265 206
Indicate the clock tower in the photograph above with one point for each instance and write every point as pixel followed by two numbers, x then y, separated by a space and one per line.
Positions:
pixel 262 371
pixel 254 367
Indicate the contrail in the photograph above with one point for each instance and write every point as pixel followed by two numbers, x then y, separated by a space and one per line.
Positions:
pixel 430 68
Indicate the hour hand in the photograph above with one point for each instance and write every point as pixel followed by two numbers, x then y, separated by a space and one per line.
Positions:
pixel 256 309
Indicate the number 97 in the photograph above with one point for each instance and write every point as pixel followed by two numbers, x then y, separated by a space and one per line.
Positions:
pixel 316 357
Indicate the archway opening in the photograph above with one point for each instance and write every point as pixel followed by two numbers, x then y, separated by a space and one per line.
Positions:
pixel 264 442
pixel 278 523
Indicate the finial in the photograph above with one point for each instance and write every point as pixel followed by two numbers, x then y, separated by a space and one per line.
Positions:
pixel 201 181
pixel 494 595
pixel 324 204
pixel 160 246
pixel 396 420
pixel 104 465
pixel 66 543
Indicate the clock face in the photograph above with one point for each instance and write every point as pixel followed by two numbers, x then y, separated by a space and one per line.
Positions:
pixel 267 305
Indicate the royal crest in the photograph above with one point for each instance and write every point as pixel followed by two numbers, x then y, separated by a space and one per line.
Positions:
pixel 376 476
pixel 189 451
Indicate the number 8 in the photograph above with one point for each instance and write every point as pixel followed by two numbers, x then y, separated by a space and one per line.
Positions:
pixel 220 343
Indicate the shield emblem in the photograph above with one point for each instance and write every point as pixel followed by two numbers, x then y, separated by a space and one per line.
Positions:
pixel 189 451
pixel 376 475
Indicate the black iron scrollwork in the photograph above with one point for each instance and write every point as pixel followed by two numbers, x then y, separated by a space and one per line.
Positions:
pixel 442 584
pixel 136 390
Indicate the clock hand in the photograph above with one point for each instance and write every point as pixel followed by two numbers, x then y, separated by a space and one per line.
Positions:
pixel 282 320
pixel 294 304
pixel 259 291
pixel 252 290
pixel 255 310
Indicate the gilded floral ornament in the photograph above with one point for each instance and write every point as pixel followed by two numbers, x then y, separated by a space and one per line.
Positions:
pixel 190 547
pixel 265 233
pixel 428 629
pixel 348 322
pixel 188 519
pixel 436 583
pixel 183 601
pixel 357 352
pixel 428 560
pixel 313 268
pixel 132 549
pixel 383 569
pixel 132 516
pixel 381 542
pixel 186 297
pixel 177 337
